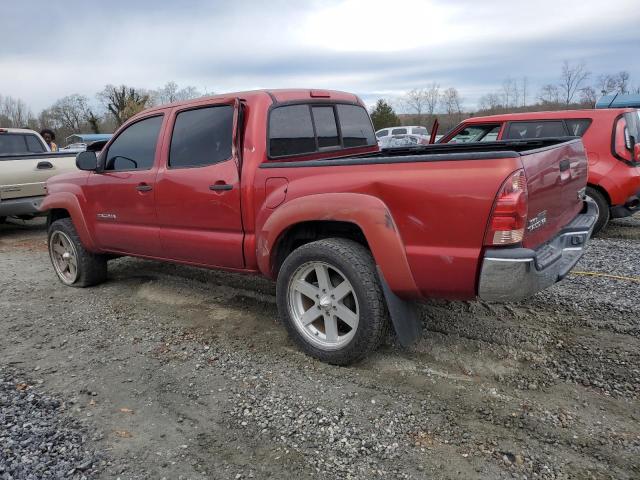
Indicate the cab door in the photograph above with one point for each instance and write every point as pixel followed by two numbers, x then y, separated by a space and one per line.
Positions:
pixel 121 197
pixel 198 189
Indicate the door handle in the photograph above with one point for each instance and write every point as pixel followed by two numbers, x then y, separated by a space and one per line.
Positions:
pixel 218 187
pixel 143 187
pixel 564 165
pixel 44 165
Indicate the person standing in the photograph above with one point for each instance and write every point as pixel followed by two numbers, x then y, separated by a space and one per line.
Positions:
pixel 49 137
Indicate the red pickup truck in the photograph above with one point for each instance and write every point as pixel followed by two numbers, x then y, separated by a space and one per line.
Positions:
pixel 290 184
pixel 611 138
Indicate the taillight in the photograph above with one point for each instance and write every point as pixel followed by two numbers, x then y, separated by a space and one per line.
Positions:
pixel 509 216
pixel 622 141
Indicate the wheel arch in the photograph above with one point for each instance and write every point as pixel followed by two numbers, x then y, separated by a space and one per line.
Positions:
pixel 66 205
pixel 602 190
pixel 363 218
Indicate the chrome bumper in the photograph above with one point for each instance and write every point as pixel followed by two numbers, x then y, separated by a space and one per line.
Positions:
pixel 20 206
pixel 510 274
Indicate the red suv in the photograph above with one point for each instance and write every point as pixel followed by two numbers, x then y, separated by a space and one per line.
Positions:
pixel 611 138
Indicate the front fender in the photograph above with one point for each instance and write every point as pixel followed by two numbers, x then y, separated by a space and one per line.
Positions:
pixel 69 202
pixel 367 212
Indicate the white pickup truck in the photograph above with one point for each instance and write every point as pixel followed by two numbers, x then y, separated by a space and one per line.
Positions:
pixel 25 165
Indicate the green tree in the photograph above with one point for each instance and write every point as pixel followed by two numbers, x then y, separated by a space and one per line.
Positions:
pixel 383 116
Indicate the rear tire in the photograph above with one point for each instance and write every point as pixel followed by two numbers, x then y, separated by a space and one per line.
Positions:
pixel 603 209
pixel 331 302
pixel 74 265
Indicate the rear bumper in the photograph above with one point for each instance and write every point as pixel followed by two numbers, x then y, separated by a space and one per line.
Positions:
pixel 631 206
pixel 510 274
pixel 20 206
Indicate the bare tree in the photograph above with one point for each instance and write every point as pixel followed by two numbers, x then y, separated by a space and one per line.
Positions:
pixel 451 101
pixel 490 101
pixel 172 93
pixel 510 93
pixel 525 84
pixel 622 82
pixel 588 96
pixel 605 84
pixel 15 112
pixel 432 97
pixel 123 102
pixel 549 93
pixel 572 78
pixel 70 112
pixel 416 101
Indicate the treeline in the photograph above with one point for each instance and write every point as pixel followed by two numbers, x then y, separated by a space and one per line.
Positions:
pixel 576 88
pixel 75 113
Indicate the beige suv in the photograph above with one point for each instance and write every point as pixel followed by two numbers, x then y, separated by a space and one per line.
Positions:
pixel 25 165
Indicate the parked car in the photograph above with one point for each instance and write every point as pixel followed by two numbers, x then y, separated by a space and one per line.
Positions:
pixel 611 138
pixel 291 184
pixel 25 164
pixel 74 147
pixel 384 135
pixel 395 141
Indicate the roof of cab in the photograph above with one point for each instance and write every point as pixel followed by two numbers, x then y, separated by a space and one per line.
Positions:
pixel 552 114
pixel 277 96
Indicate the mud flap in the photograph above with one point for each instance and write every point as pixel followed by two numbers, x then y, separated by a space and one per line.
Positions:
pixel 404 315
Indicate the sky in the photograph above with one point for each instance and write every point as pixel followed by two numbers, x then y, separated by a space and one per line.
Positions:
pixel 376 49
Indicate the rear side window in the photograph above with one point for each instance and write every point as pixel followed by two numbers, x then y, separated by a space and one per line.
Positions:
pixel 33 144
pixel 326 128
pixel 419 131
pixel 202 137
pixel 356 126
pixel 526 130
pixel 303 129
pixel 382 133
pixel 135 147
pixel 17 144
pixel 577 127
pixel 399 131
pixel 291 131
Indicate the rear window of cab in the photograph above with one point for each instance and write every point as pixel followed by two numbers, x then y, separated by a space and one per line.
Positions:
pixel 302 129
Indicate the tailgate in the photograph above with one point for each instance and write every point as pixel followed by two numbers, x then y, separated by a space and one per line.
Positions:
pixel 25 175
pixel 556 177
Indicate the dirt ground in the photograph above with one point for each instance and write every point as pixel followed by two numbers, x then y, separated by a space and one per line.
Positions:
pixel 185 373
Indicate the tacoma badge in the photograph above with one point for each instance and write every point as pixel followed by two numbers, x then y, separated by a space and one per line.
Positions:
pixel 537 221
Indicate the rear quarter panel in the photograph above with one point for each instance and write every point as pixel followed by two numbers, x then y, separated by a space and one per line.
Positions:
pixel 440 210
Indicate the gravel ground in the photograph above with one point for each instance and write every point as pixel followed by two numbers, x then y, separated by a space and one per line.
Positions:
pixel 37 439
pixel 168 371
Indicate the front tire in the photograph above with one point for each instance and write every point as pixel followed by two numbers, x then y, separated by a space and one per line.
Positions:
pixel 331 302
pixel 603 209
pixel 74 265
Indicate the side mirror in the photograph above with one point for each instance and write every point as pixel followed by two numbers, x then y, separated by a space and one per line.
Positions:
pixel 87 161
pixel 97 146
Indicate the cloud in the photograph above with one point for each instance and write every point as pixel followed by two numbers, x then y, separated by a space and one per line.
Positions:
pixel 370 47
